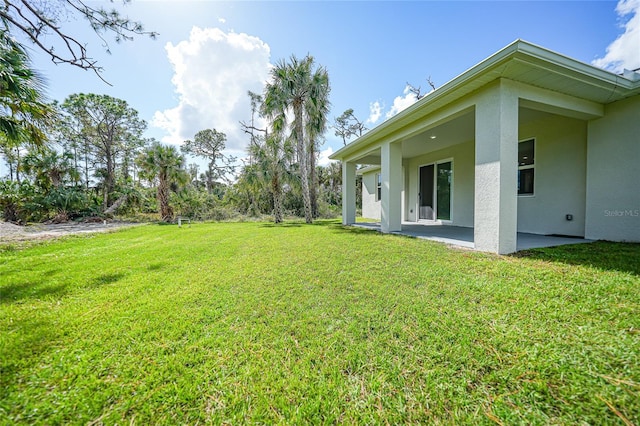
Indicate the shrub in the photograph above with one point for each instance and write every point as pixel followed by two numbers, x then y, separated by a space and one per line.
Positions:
pixel 16 199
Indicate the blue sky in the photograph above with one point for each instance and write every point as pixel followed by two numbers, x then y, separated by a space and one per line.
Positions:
pixel 195 75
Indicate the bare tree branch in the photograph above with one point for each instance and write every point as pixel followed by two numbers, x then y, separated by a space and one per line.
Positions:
pixel 431 83
pixel 417 90
pixel 24 16
pixel 248 128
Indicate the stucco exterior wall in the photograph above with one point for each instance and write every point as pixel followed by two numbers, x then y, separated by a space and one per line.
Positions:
pixel 560 177
pixel 463 157
pixel 370 207
pixel 613 173
pixel 589 170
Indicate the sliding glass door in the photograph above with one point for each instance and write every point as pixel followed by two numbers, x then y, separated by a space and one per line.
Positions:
pixel 427 206
pixel 435 191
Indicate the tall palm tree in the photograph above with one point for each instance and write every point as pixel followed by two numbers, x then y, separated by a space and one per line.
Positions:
pixel 23 108
pixel 298 88
pixel 317 112
pixel 164 163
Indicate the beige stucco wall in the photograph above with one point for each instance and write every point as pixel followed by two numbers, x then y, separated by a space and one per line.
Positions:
pixel 587 169
pixel 463 182
pixel 613 173
pixel 560 177
pixel 370 207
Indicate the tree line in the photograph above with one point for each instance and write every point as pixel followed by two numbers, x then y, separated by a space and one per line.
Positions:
pixel 88 157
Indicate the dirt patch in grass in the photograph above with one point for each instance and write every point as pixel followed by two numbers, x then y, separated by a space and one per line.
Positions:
pixel 10 232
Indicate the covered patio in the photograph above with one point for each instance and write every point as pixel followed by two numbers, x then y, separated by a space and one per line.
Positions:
pixel 463 237
pixel 498 157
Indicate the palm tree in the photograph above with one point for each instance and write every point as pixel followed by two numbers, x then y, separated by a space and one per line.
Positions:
pixel 164 163
pixel 316 126
pixel 301 89
pixel 271 163
pixel 49 169
pixel 23 108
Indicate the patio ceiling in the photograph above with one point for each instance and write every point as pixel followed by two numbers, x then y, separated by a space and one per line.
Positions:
pixel 461 129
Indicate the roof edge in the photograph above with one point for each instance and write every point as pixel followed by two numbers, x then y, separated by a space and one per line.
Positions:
pixel 518 47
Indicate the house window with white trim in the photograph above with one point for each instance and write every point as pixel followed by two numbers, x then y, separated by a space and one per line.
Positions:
pixel 378 186
pixel 526 167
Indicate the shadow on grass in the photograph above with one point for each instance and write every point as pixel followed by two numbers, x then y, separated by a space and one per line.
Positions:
pixel 282 225
pixel 30 338
pixel 14 293
pixel 623 257
pixel 28 290
pixel 155 267
pixel 105 279
pixel 603 255
pixel 349 229
pixel 333 224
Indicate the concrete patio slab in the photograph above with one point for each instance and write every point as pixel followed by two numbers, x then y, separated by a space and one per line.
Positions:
pixel 463 237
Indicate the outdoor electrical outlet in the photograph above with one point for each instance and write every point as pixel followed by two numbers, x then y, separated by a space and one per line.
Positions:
pixel 569 217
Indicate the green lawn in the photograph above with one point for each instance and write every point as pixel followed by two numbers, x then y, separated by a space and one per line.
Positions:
pixel 257 323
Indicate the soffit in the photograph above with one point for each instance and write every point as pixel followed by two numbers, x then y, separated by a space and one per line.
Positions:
pixel 457 131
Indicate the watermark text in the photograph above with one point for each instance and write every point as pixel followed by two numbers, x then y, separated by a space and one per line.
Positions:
pixel 622 213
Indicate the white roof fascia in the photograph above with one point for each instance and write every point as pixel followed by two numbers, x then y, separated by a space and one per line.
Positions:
pixel 446 88
pixel 574 65
pixel 525 49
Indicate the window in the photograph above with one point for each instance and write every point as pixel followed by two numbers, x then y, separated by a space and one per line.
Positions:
pixel 526 167
pixel 378 186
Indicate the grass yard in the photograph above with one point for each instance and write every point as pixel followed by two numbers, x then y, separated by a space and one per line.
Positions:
pixel 257 323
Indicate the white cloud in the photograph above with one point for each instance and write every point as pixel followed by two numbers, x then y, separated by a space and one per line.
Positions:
pixel 402 102
pixel 375 111
pixel 222 20
pixel 624 52
pixel 324 159
pixel 213 71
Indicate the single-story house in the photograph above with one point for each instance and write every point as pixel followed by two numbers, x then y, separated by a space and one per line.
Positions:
pixel 528 141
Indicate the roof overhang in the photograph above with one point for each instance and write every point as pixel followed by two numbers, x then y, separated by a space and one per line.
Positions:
pixel 367 169
pixel 522 62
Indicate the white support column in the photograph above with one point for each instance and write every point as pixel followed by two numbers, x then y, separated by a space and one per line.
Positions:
pixel 348 193
pixel 496 170
pixel 391 206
